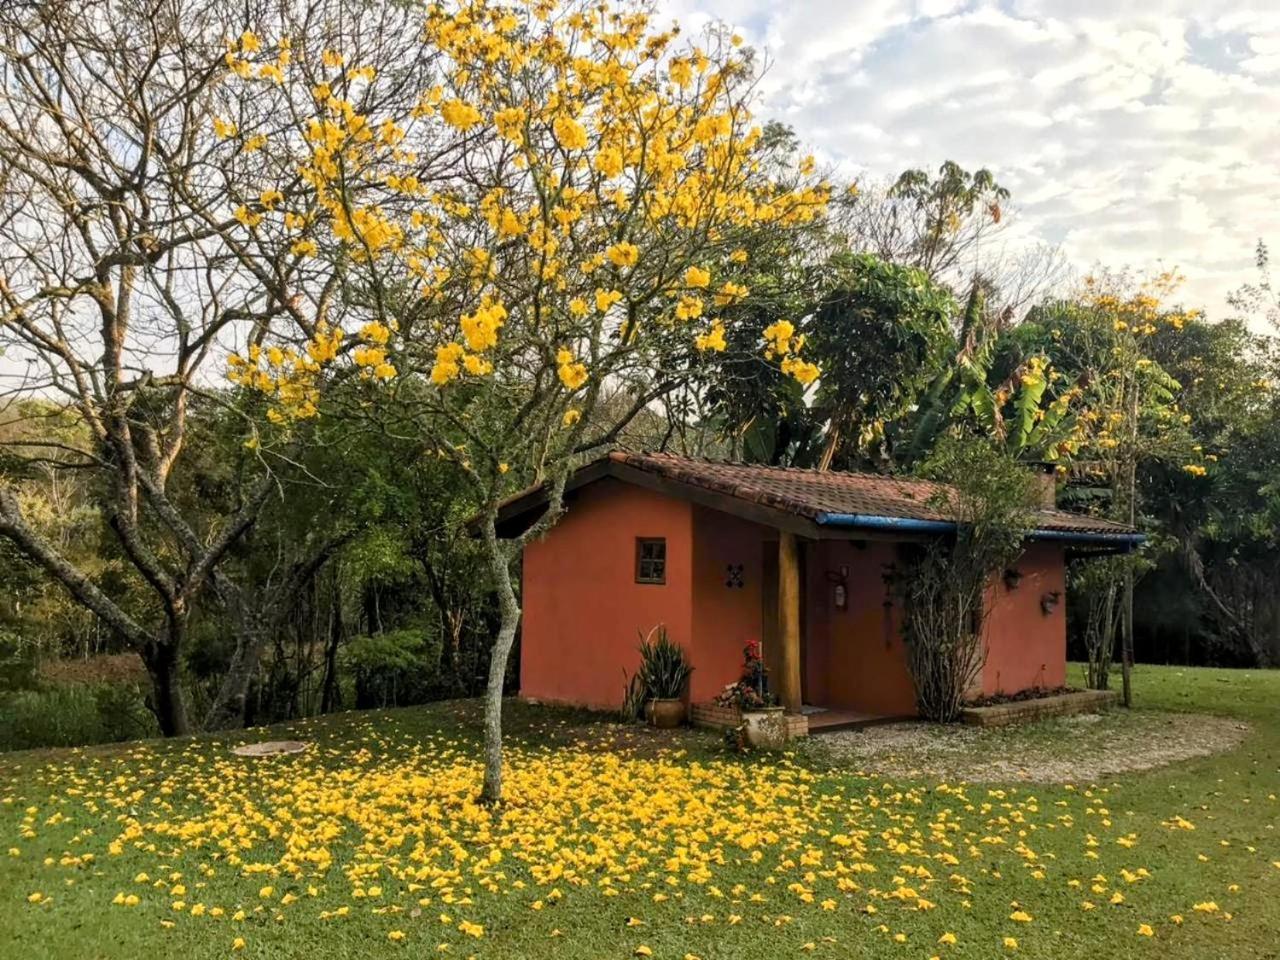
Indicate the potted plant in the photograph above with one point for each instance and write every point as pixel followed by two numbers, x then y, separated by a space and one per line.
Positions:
pixel 765 726
pixel 763 723
pixel 664 671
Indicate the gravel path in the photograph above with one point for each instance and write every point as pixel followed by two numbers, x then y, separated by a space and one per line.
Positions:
pixel 1082 748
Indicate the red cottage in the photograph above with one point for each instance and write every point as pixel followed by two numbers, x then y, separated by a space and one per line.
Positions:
pixel 722 553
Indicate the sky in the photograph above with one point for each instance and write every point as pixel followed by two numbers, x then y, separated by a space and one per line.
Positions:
pixel 1131 133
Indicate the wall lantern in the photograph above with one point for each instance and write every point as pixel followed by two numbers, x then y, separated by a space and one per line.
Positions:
pixel 1049 602
pixel 1012 577
pixel 840 588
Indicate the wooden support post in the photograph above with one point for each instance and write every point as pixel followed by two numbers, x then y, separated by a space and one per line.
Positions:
pixel 788 621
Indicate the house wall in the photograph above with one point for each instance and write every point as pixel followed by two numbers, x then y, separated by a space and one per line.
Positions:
pixel 582 607
pixel 583 610
pixel 855 659
pixel 1025 647
pixel 724 617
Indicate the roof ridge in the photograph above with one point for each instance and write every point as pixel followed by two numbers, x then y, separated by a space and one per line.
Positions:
pixel 813 471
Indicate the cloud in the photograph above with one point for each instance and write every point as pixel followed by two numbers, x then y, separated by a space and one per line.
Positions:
pixel 1140 136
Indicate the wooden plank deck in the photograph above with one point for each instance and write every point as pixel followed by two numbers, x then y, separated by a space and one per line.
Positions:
pixel 828 721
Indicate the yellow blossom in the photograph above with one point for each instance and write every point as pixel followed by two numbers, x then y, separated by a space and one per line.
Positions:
pixel 460 114
pixel 569 133
pixel 573 374
pixel 697 277
pixel 623 254
pixel 713 339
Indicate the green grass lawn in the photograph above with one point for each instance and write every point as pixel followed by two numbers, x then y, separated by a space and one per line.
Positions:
pixel 618 840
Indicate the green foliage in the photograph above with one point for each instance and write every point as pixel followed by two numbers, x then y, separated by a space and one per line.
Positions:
pixel 73 715
pixel 17 662
pixel 1220 553
pixel 634 696
pixel 664 669
pixel 878 331
pixel 880 337
pixel 1001 385
pixel 391 669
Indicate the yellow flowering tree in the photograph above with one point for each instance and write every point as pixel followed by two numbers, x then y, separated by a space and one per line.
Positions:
pixel 1129 415
pixel 546 210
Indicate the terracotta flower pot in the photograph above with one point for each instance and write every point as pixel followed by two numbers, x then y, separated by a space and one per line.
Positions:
pixel 766 728
pixel 666 714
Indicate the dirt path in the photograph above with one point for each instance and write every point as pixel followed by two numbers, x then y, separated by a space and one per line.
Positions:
pixel 1076 749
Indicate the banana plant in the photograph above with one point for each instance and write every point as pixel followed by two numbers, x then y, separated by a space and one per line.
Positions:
pixel 1019 411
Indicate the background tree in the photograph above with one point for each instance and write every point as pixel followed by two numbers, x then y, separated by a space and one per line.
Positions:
pixel 120 277
pixel 1211 588
pixel 900 324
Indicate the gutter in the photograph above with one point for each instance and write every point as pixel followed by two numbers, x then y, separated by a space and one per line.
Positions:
pixel 867 521
pixel 1127 540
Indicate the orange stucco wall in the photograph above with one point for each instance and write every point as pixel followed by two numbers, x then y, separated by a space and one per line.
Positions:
pixel 854 659
pixel 582 606
pixel 1026 647
pixel 724 617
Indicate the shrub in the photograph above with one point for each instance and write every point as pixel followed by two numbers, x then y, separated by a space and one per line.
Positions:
pixel 391 669
pixel 74 715
pixel 634 697
pixel 17 662
pixel 123 713
pixel 943 584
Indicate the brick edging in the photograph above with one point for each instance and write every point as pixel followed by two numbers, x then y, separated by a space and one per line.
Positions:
pixel 1061 705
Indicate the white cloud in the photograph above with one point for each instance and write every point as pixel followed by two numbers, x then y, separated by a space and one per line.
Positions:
pixel 1132 135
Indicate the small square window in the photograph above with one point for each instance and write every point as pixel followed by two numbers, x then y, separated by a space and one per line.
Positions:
pixel 651 560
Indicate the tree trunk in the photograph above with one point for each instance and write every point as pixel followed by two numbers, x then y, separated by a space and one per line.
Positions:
pixel 329 689
pixel 1126 622
pixel 509 608
pixel 1126 639
pixel 167 703
pixel 450 632
pixel 228 708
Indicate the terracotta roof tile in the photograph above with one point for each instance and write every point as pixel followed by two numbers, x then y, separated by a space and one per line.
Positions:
pixel 811 493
